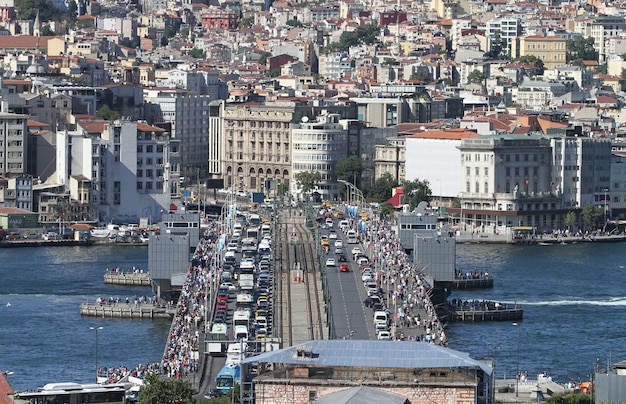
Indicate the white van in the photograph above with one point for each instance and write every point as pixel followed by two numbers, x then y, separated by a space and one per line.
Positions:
pixel 344 225
pixel 230 258
pixel 241 333
pixel 380 317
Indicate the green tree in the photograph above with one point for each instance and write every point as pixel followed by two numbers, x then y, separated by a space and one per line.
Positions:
pixel 246 22
pixel 165 391
pixel 581 49
pixel 593 216
pixel 381 190
pixel 570 398
pixel 363 34
pixel 416 192
pixel 349 169
pixel 535 61
pixel 498 44
pixel 263 57
pixel 184 32
pixel 105 112
pixel 387 209
pixel 295 23
pixel 47 31
pixel 623 83
pixel 307 180
pixel 475 77
pixel 422 75
pixel 47 11
pixel 169 32
pixel 164 41
pixel 72 14
pixel 570 220
pixel 197 53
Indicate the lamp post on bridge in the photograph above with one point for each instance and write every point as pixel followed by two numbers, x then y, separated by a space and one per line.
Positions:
pixel 517 374
pixel 96 329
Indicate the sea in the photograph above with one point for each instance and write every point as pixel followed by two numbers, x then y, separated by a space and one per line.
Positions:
pixel 574 300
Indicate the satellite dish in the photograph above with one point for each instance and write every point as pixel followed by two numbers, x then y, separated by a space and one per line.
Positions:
pixel 304 119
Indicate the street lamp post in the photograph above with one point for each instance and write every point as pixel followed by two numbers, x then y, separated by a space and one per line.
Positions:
pixel 606 212
pixel 96 329
pixel 517 375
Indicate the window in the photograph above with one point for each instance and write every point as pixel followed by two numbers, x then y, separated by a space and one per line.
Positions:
pixel 477 171
pixel 467 186
pixel 486 171
pixel 476 187
pixel 486 187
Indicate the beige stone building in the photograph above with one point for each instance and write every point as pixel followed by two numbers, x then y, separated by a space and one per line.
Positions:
pixel 395 371
pixel 256 144
pixel 550 49
pixel 391 159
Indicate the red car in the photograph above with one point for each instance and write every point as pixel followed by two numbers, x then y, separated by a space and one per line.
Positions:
pixel 344 268
pixel 221 306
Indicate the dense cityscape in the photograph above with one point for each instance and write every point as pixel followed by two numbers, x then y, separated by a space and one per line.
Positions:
pixel 297 168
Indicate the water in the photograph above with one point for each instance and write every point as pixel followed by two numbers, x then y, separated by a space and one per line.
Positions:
pixel 574 304
pixel 573 296
pixel 43 337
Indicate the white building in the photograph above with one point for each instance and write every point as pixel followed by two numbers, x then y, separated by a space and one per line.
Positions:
pixel 507 28
pixel 13 143
pixel 317 146
pixel 434 156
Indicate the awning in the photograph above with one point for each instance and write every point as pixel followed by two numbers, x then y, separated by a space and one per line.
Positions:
pixel 81 226
pixel 523 228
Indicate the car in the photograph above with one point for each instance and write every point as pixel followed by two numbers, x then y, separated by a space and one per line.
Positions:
pixel 330 262
pixel 371 288
pixel 221 305
pixel 338 250
pixel 381 326
pixel 370 301
pixel 338 243
pixel 367 277
pixel 342 258
pixel 344 268
pixel 356 250
pixel 384 335
pixel 363 261
pixel 332 235
pixel 231 287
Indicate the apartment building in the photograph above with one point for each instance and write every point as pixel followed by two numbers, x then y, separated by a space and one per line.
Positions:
pixel 552 50
pixel 505 29
pixel 390 159
pixel 13 143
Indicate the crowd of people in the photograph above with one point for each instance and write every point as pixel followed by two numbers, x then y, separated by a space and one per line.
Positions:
pixel 115 374
pixel 471 275
pixel 407 292
pixel 181 354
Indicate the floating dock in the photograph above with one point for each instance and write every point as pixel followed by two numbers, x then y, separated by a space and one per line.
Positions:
pixel 126 310
pixel 481 283
pixel 489 312
pixel 132 279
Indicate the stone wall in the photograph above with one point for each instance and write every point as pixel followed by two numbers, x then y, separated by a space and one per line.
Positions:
pixel 301 393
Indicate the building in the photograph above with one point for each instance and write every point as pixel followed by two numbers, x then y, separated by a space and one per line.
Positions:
pixel 433 155
pixel 504 29
pixel 186 117
pixel 550 49
pixel 317 146
pixel 13 143
pixel 217 18
pixel 256 141
pixel 419 372
pixel 391 159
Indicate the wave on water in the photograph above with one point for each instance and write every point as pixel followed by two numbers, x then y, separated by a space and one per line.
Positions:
pixel 614 301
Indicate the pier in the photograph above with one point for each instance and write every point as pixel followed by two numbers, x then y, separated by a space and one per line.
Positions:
pixel 475 311
pixel 126 310
pixel 131 279
pixel 480 283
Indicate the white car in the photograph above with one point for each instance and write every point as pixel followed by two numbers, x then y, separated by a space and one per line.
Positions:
pixel 330 262
pixel 367 277
pixel 338 250
pixel 332 235
pixel 356 250
pixel 384 335
pixel 231 286
pixel 338 243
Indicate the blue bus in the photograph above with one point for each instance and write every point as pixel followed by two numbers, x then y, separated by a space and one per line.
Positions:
pixel 228 377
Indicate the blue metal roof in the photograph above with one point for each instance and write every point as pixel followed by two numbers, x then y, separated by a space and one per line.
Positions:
pixel 365 353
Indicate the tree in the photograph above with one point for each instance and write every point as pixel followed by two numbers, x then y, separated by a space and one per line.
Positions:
pixel 381 190
pixel 593 216
pixel 416 192
pixel 105 112
pixel 72 13
pixel 184 32
pixel 422 75
pixel 571 398
pixel 294 23
pixel 570 220
pixel 197 53
pixel 47 31
pixel 165 391
pixel 498 44
pixel 307 180
pixel 475 77
pixel 387 209
pixel 246 22
pixel 535 61
pixel 349 169
pixel 47 11
pixel 263 57
pixel 581 49
pixel 363 34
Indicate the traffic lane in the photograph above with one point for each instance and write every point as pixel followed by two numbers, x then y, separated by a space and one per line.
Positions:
pixel 348 316
pixel 368 315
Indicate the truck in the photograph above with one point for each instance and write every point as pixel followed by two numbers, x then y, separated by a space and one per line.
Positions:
pixel 246 282
pixel 217 340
